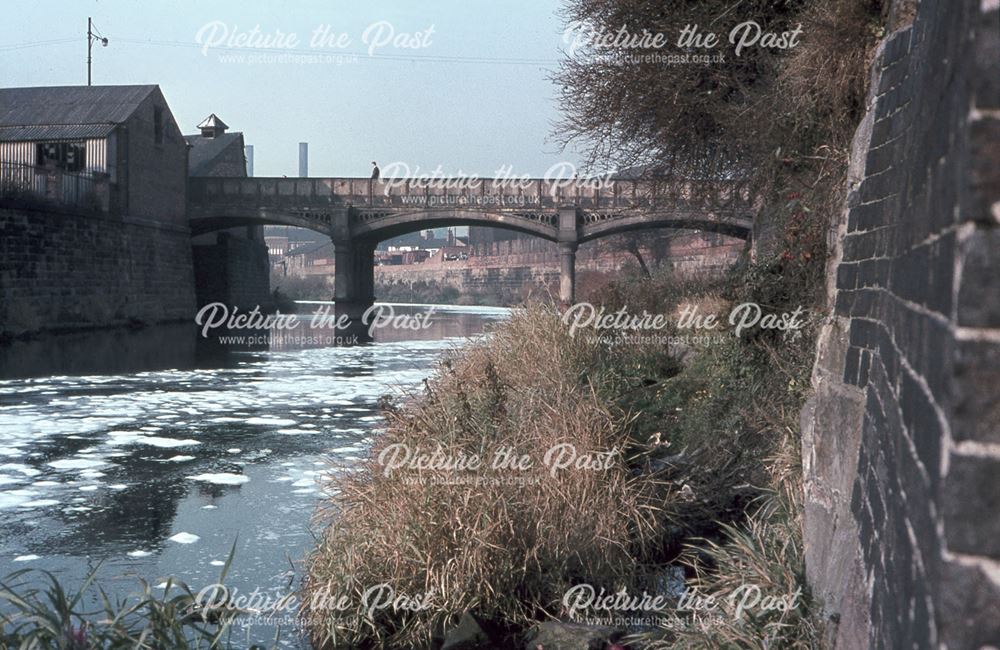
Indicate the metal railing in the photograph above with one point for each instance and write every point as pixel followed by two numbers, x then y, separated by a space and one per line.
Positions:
pixel 50 185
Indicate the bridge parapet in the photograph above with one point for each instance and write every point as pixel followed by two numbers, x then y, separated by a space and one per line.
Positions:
pixel 483 193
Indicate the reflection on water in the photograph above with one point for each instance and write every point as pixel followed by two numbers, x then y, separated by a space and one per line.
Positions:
pixel 151 452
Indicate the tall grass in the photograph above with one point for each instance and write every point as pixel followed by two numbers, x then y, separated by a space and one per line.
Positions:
pixel 37 612
pixel 506 551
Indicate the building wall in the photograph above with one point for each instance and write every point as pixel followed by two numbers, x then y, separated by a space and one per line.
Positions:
pixel 64 270
pixel 901 441
pixel 156 176
pixel 231 161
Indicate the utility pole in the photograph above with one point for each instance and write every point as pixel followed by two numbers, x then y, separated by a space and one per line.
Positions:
pixel 91 37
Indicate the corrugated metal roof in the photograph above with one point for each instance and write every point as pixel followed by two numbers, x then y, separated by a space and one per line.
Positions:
pixel 54 132
pixel 77 111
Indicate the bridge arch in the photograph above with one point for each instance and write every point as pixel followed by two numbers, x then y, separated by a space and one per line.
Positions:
pixel 206 221
pixel 379 225
pixel 597 226
pixel 356 217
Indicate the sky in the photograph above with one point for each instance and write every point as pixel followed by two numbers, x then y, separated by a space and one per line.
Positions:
pixel 463 85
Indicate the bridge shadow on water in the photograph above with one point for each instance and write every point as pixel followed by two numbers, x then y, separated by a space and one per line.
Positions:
pixel 181 346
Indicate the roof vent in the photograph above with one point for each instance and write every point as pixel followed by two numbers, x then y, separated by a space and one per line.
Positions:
pixel 212 126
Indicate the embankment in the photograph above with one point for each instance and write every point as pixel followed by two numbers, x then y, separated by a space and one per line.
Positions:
pixel 65 270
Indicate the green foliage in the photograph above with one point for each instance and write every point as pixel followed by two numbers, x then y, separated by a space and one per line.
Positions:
pixel 51 618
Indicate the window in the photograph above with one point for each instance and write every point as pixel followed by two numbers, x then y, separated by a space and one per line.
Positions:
pixel 158 124
pixel 68 156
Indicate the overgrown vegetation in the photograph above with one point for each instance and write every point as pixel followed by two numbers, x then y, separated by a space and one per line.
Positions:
pixel 501 542
pixel 37 612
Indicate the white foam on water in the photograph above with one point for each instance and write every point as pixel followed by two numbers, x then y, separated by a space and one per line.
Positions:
pixel 26 558
pixel 139 553
pixel 76 463
pixel 117 486
pixel 294 432
pixel 304 482
pixel 24 469
pixel 184 538
pixel 209 507
pixel 167 443
pixel 304 491
pixel 179 459
pixel 221 478
pixel 39 503
pixel 87 488
pixel 217 563
pixel 278 422
pixel 234 450
pixel 225 419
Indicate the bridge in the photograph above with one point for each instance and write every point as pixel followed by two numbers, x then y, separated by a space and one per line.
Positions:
pixel 358 213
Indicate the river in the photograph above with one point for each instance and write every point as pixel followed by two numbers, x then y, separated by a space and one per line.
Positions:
pixel 152 452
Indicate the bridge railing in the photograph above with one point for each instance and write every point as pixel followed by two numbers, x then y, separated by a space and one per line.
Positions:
pixel 480 193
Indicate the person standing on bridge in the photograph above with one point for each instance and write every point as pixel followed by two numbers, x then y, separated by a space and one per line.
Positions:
pixel 372 180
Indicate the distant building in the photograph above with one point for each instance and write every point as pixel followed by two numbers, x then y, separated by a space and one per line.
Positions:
pixel 116 145
pixel 277 247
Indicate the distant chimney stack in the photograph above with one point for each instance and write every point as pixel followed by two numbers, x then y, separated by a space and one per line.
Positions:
pixel 303 160
pixel 248 149
pixel 212 126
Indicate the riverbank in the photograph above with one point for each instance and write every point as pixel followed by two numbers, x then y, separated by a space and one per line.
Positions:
pixel 545 459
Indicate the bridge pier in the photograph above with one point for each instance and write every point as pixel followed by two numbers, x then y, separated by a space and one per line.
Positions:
pixel 354 285
pixel 569 241
pixel 567 273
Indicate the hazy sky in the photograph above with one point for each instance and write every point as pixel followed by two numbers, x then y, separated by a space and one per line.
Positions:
pixel 472 95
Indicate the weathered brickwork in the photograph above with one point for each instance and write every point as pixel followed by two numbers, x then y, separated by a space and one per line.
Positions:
pixel 64 270
pixel 910 357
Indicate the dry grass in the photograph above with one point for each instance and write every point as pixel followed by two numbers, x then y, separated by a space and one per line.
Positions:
pixel 505 551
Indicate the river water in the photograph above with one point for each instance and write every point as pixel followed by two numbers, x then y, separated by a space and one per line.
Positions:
pixel 151 453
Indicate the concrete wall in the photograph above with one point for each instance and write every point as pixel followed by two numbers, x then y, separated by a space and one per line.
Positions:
pixel 63 270
pixel 902 439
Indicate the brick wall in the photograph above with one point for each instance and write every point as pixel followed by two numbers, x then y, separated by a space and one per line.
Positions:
pixel 901 442
pixel 63 270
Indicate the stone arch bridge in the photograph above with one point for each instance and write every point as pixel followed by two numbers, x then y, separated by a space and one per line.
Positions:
pixel 357 213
